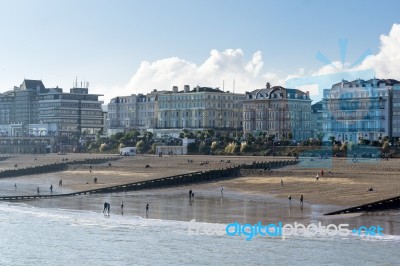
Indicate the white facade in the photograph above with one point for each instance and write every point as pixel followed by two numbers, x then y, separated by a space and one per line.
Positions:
pixel 358 110
pixel 200 108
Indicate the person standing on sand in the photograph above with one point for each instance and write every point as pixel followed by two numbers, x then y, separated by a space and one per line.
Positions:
pixel 51 188
pixel 190 194
pixel 301 200
pixel 38 191
pixel 281 182
pixel 105 207
pixel 290 198
pixel 222 191
pixel 147 210
pixel 122 207
pixel 322 173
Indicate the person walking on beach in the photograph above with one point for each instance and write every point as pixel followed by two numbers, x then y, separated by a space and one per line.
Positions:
pixel 147 210
pixel 15 185
pixel 322 173
pixel 108 208
pixel 290 198
pixel 51 188
pixel 281 182
pixel 222 191
pixel 60 183
pixel 122 207
pixel 105 207
pixel 38 191
pixel 301 200
pixel 190 194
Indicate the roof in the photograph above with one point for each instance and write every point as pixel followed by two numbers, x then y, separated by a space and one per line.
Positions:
pixel 273 92
pixel 33 84
pixel 364 83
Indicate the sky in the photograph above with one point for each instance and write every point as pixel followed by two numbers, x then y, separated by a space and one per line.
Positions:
pixel 125 47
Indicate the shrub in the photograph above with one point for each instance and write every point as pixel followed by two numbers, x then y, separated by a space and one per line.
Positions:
pixel 244 147
pixel 103 147
pixel 214 146
pixel 230 148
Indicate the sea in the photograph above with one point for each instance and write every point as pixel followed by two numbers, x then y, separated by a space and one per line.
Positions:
pixel 180 231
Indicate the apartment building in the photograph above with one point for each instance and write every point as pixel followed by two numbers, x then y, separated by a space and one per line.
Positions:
pixel 282 112
pixel 200 108
pixel 361 109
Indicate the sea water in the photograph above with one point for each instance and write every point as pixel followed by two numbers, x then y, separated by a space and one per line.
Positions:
pixel 33 235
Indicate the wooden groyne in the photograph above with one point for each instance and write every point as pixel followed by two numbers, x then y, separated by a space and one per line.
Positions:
pixel 380 205
pixel 54 167
pixel 171 181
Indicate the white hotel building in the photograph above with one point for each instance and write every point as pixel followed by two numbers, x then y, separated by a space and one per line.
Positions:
pixel 359 109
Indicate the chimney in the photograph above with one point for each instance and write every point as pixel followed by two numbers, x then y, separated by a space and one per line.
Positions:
pixel 175 89
pixel 186 88
pixel 268 85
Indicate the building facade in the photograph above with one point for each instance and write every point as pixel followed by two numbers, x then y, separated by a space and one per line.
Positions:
pixel 284 113
pixel 74 112
pixel 132 112
pixel 200 108
pixel 34 110
pixel 396 111
pixel 359 109
pixel 316 120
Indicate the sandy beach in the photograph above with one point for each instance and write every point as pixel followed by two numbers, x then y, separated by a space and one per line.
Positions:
pixel 345 183
pixel 257 195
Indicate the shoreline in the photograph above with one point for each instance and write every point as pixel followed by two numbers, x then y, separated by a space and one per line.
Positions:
pixel 207 207
pixel 345 186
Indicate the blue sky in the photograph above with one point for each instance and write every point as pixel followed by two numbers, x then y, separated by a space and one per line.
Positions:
pixel 106 42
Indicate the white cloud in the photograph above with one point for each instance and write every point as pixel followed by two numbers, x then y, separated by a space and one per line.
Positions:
pixel 386 62
pixel 232 64
pixel 218 69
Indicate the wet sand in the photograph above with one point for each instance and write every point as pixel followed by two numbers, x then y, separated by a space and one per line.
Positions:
pixel 123 171
pixel 346 185
pixel 255 196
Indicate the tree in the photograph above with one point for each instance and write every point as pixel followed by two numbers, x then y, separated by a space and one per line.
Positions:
pixel 140 146
pixel 210 133
pixel 117 136
pixel 344 147
pixel 320 136
pixel 290 135
pixel 133 134
pixel 214 146
pixel 103 147
pixel 148 136
pixel 244 147
pixel 386 146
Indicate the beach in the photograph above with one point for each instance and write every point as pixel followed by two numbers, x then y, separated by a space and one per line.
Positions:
pixel 249 197
pixel 345 183
pixel 177 223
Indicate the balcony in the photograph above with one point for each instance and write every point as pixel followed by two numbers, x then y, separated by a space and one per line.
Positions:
pixel 357 129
